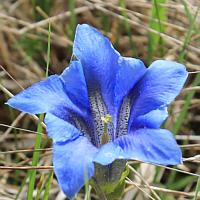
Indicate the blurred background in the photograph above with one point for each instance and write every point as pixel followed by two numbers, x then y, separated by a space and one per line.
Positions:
pixel 148 30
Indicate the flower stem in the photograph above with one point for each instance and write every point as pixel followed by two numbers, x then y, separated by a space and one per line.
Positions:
pixel 102 195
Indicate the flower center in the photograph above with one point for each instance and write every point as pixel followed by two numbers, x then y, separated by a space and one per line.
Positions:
pixel 105 135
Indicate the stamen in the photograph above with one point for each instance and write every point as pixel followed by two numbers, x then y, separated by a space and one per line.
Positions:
pixel 105 136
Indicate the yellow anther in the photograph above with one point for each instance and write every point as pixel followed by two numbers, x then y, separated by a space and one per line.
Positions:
pixel 107 119
pixel 104 119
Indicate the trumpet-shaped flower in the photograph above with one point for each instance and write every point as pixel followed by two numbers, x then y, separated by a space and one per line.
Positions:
pixel 104 109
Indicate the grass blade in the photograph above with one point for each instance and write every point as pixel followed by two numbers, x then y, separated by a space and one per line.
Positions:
pixel 195 83
pixel 197 189
pixel 22 185
pixel 72 18
pixel 191 19
pixel 157 12
pixel 38 136
pixel 186 105
pixel 39 186
pixel 188 36
pixel 128 29
pixel 46 193
pixel 35 161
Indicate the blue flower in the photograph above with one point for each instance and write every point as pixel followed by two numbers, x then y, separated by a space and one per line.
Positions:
pixel 98 83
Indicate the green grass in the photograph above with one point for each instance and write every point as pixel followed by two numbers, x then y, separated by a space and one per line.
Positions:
pixel 197 189
pixel 195 82
pixel 159 13
pixel 128 29
pixel 38 137
pixel 47 190
pixel 72 18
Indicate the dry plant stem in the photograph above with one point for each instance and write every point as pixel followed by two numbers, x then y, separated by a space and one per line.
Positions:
pixel 188 108
pixel 180 102
pixel 167 38
pixel 189 145
pixel 24 162
pixel 195 158
pixel 193 161
pixel 21 129
pixel 177 193
pixel 136 185
pixel 55 18
pixel 30 75
pixel 147 4
pixel 153 192
pixel 111 5
pixel 68 41
pixel 63 41
pixel 187 137
pixel 52 23
pixel 22 114
pixel 91 6
pixel 6 91
pixel 25 136
pixel 191 88
pixel 195 37
pixel 194 67
pixel 32 64
pixel 33 116
pixel 11 77
pixel 4 51
pixel 39 121
pixel 24 168
pixel 98 188
pixel 196 72
pixel 178 170
pixel 189 4
pixel 15 5
pixel 26 151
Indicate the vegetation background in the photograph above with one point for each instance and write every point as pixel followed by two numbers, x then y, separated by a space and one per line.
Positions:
pixel 144 29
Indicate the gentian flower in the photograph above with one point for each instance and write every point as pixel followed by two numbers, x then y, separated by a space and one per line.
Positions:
pixel 104 109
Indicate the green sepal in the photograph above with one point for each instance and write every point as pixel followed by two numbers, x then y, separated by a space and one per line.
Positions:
pixel 119 189
pixel 115 190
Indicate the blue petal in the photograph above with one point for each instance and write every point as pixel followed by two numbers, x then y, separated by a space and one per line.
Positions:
pixel 71 161
pixel 55 95
pixel 76 87
pixel 109 76
pixel 60 130
pixel 64 96
pixel 152 119
pixel 129 72
pixel 100 62
pixel 151 145
pixel 41 97
pixel 108 153
pixel 158 87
